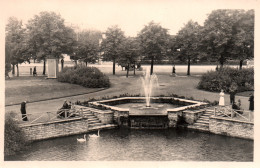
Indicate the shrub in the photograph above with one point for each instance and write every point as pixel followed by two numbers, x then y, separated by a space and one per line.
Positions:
pixel 228 78
pixel 14 138
pixel 85 76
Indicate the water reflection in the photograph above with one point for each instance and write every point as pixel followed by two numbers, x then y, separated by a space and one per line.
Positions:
pixel 141 145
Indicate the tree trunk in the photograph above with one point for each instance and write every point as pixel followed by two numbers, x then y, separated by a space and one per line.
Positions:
pixel 134 68
pixel 151 72
pixel 17 70
pixel 44 66
pixel 114 66
pixel 240 64
pixel 13 71
pixel 86 63
pixel 127 72
pixel 188 71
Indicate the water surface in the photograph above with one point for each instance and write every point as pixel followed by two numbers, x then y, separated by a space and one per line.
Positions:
pixel 141 145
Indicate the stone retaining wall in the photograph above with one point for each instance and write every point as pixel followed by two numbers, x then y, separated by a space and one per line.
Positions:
pixel 54 129
pixel 234 128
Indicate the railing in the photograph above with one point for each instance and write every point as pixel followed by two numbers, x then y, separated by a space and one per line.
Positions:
pixel 227 111
pixel 43 117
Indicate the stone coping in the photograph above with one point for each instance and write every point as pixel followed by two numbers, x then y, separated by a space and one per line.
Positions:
pixel 52 122
pixel 195 103
pixel 94 110
pixel 232 120
pixel 193 112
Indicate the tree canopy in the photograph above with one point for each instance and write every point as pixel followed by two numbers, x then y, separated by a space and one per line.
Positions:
pixel 186 43
pixel 229 34
pixel 49 37
pixel 14 43
pixel 87 48
pixel 129 52
pixel 110 45
pixel 154 41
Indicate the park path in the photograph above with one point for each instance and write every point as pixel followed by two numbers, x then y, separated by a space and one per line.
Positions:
pixel 180 85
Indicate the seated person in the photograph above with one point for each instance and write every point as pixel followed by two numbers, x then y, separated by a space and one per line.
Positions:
pixel 61 111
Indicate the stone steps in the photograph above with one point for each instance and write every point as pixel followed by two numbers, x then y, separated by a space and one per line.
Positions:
pixel 93 122
pixel 202 124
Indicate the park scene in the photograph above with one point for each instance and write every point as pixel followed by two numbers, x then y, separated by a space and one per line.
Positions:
pixel 74 93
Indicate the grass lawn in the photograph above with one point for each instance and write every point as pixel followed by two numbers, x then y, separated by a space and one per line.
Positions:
pixel 33 89
pixel 39 88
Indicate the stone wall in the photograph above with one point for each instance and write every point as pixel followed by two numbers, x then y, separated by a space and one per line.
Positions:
pixel 191 116
pixel 54 129
pixel 229 127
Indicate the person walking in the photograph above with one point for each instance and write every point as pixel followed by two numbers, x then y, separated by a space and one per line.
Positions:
pixel 23 111
pixel 173 70
pixel 251 102
pixel 221 98
pixel 34 71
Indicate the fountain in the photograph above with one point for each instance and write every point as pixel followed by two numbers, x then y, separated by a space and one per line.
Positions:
pixel 138 112
pixel 148 82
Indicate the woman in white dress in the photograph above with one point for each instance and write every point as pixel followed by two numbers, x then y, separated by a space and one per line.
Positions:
pixel 221 99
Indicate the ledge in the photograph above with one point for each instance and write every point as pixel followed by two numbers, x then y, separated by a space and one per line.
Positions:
pixel 52 122
pixel 231 120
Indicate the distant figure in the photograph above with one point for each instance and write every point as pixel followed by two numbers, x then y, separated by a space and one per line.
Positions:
pixel 34 71
pixel 23 111
pixel 217 68
pixel 173 70
pixel 62 64
pixel 251 102
pixel 221 98
pixel 232 97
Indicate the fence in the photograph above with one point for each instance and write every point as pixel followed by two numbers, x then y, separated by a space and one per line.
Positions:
pixel 227 111
pixel 49 116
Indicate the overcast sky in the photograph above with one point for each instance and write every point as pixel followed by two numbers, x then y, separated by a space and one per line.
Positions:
pixel 130 16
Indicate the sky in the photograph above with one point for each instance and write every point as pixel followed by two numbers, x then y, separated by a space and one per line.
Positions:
pixel 130 16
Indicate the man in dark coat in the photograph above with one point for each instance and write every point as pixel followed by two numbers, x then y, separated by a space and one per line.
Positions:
pixel 23 111
pixel 232 97
pixel 34 71
pixel 251 102
pixel 173 70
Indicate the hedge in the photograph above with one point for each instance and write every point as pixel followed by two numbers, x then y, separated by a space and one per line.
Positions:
pixel 226 78
pixel 90 77
pixel 14 139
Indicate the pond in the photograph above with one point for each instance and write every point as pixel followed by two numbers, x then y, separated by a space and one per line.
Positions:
pixel 140 145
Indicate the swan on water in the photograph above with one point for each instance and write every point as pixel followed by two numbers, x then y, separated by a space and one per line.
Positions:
pixel 94 135
pixel 82 139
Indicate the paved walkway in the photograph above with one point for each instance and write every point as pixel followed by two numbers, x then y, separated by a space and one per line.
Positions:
pixel 181 86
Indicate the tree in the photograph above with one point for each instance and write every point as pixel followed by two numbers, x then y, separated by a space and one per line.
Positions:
pixel 14 43
pixel 186 43
pixel 88 46
pixel 49 37
pixel 243 37
pixel 154 42
pixel 218 32
pixel 110 46
pixel 7 61
pixel 129 53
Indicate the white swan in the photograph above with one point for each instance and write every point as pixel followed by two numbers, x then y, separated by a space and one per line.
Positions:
pixel 94 135
pixel 82 139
